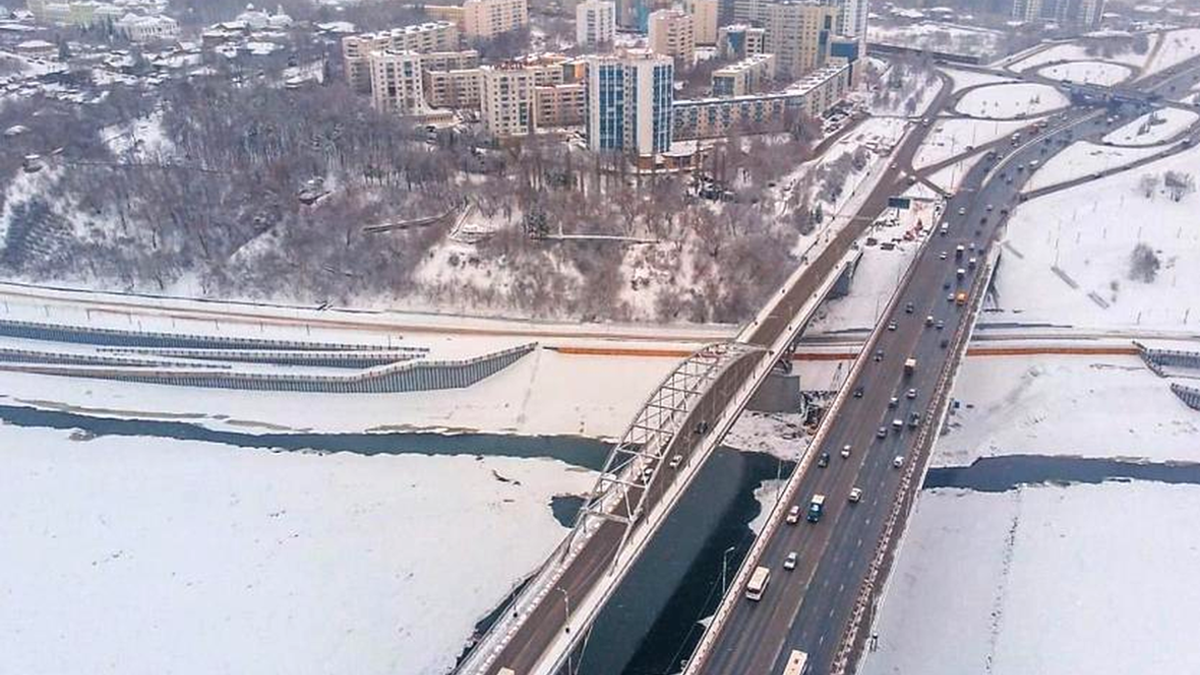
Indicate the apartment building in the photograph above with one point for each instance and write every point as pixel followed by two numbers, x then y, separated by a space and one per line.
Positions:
pixel 704 20
pixel 453 88
pixel 813 95
pixel 851 19
pixel 486 19
pixel 147 28
pixel 628 104
pixel 747 76
pixel 595 23
pixel 740 41
pixel 546 68
pixel 456 60
pixel 434 36
pixel 452 13
pixel 507 101
pixel 397 85
pixel 559 105
pixel 798 34
pixel 672 33
pixel 1082 14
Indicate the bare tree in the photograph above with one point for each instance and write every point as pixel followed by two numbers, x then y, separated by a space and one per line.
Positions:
pixel 1143 264
pixel 1148 185
pixel 1178 184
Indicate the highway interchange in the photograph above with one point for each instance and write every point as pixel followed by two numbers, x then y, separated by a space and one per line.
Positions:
pixel 807 608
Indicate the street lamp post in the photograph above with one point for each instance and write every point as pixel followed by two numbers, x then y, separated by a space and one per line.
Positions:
pixel 724 566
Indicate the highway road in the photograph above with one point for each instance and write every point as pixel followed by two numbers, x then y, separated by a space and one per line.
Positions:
pixel 809 607
pixel 544 622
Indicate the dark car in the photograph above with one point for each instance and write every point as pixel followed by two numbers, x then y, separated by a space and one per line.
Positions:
pixel 823 460
pixel 878 354
pixel 858 392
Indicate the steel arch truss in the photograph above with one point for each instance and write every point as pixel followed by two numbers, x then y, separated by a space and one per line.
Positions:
pixel 635 462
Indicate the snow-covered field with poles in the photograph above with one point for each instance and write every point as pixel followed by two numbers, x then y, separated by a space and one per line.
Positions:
pixel 1084 158
pixel 1154 127
pixel 1011 101
pixel 139 555
pixel 1073 51
pixel 951 137
pixel 1177 46
pixel 1089 72
pixel 1073 250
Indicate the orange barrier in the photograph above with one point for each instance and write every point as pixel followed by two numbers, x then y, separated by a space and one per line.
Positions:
pixel 849 356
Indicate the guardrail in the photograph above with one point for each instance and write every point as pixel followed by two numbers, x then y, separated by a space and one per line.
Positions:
pixel 393 378
pixel 1159 359
pixel 115 337
pixel 1189 395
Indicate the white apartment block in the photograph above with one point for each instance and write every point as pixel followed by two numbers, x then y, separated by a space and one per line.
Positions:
pixel 595 23
pixel 799 34
pixel 85 13
pixel 507 101
pixel 747 76
pixel 434 36
pixel 704 20
pixel 852 19
pixel 628 105
pixel 396 83
pixel 486 19
pixel 147 28
pixel 671 33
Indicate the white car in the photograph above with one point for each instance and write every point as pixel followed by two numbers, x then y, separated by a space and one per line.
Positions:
pixel 676 461
pixel 793 515
pixel 855 495
pixel 898 461
pixel 846 450
pixel 789 563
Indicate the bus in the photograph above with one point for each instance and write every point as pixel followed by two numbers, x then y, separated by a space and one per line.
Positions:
pixel 758 583
pixel 797 663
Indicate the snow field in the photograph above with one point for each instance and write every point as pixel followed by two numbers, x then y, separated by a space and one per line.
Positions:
pixel 1153 127
pixel 1010 101
pixel 1073 247
pixel 964 79
pixel 1114 407
pixel 1177 46
pixel 1082 159
pixel 137 555
pixel 1089 578
pixel 1089 72
pixel 951 137
pixel 1074 51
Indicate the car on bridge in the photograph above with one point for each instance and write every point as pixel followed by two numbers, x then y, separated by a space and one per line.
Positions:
pixel 882 433
pixel 845 450
pixel 855 495
pixel 789 563
pixel 793 515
